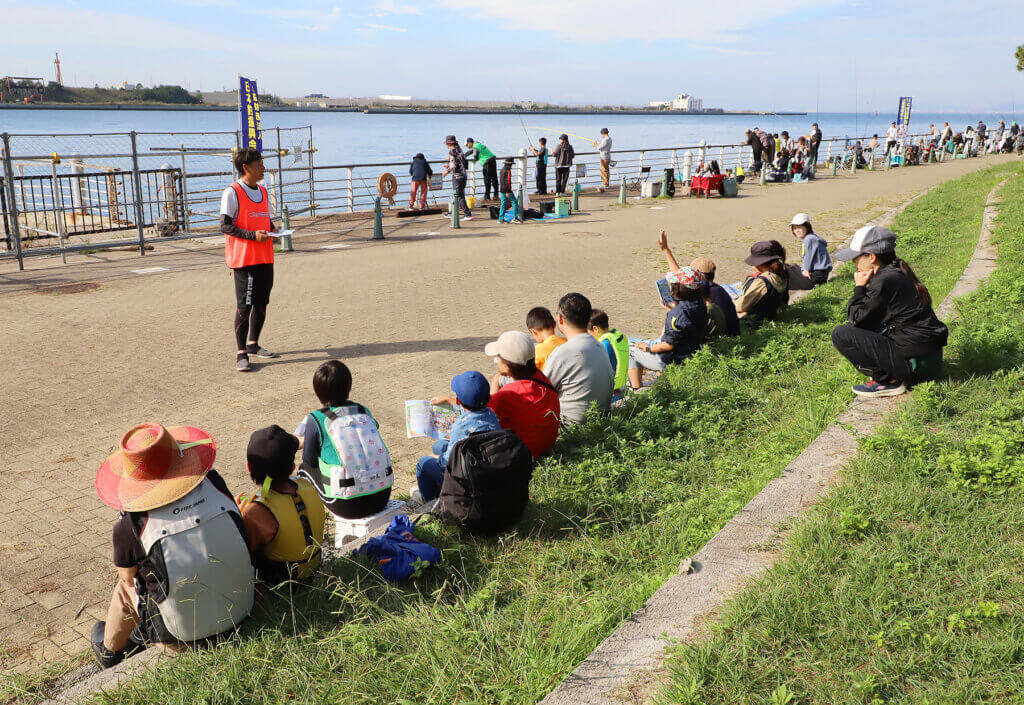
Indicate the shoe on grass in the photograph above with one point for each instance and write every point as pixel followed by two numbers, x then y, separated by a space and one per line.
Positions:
pixel 260 352
pixel 242 365
pixel 871 388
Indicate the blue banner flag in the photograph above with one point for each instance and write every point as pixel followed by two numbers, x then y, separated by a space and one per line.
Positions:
pixel 249 114
pixel 903 115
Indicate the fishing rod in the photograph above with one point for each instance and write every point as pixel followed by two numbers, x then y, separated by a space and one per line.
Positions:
pixel 573 134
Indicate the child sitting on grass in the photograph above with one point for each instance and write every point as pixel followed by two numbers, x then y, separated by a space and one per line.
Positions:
pixel 285 520
pixel 615 344
pixel 363 486
pixel 685 324
pixel 722 319
pixel 541 325
pixel 816 263
pixel 472 392
pixel 766 290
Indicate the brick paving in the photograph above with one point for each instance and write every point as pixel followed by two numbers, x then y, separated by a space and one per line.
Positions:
pixel 405 314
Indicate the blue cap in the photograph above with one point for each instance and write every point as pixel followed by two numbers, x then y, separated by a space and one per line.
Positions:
pixel 472 389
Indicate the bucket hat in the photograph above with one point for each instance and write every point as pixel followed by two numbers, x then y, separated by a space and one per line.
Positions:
pixel 764 252
pixel 687 276
pixel 155 465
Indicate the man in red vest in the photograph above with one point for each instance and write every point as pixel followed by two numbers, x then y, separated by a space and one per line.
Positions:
pixel 249 252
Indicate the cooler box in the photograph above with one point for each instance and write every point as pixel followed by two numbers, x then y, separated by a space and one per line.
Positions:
pixel 729 187
pixel 561 206
pixel 651 189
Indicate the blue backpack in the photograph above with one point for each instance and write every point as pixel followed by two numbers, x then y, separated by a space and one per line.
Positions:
pixel 398 551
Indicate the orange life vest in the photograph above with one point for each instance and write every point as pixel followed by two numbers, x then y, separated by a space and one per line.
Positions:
pixel 239 252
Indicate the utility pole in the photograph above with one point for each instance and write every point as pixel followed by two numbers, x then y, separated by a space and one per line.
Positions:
pixel 56 62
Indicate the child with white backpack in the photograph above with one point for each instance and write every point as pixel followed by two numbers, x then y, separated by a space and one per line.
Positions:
pixel 343 454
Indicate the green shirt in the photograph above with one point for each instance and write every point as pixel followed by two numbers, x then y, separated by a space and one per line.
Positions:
pixel 483 154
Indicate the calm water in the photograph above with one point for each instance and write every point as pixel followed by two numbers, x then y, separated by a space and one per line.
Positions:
pixel 358 138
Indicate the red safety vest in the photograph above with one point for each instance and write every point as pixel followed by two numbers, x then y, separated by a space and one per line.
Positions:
pixel 239 252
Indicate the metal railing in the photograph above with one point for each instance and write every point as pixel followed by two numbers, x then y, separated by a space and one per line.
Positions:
pixel 72 187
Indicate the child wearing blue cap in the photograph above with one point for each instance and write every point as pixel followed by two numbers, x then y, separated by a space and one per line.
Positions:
pixel 472 392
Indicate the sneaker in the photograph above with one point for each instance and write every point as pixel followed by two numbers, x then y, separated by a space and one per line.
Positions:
pixel 467 217
pixel 243 364
pixel 260 352
pixel 879 389
pixel 108 658
pixel 415 496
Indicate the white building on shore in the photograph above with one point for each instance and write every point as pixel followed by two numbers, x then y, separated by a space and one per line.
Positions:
pixel 687 103
pixel 666 104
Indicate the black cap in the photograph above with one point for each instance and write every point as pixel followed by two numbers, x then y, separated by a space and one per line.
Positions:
pixel 564 136
pixel 449 139
pixel 604 130
pixel 271 450
pixel 470 139
pixel 764 252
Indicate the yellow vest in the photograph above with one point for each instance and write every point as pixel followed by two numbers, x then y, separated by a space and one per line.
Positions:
pixel 296 542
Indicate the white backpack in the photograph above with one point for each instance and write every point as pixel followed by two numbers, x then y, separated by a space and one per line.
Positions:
pixel 353 458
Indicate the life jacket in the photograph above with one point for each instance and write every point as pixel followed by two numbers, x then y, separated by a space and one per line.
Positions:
pixel 620 344
pixel 208 581
pixel 300 528
pixel 353 458
pixel 771 303
pixel 239 252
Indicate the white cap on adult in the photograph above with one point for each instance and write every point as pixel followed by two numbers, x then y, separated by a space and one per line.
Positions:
pixel 800 219
pixel 512 346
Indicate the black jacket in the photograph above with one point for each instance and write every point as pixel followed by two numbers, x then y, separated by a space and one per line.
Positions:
pixel 505 180
pixel 420 170
pixel 890 302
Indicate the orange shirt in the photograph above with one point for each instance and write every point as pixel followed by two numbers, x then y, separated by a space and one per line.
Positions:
pixel 542 350
pixel 239 252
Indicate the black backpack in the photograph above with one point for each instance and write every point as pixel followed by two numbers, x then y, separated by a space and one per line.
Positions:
pixel 486 485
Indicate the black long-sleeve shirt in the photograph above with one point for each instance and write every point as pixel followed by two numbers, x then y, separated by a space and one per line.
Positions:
pixel 890 302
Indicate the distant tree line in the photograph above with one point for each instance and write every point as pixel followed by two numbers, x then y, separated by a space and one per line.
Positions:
pixel 56 93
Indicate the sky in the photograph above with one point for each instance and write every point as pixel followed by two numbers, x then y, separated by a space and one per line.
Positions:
pixel 828 55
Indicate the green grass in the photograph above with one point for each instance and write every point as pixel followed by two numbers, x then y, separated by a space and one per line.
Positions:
pixel 621 501
pixel 906 585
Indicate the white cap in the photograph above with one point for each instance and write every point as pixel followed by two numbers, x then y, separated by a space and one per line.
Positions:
pixel 512 346
pixel 800 219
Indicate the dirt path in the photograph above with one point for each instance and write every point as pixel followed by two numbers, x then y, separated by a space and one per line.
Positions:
pixel 79 369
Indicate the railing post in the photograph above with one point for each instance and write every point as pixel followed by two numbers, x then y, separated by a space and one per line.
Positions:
pixel 77 202
pixel 687 167
pixel 622 191
pixel 184 190
pixel 58 207
pixel 9 179
pixel 378 221
pixel 675 162
pixel 640 167
pixel 703 144
pixel 280 173
pixel 286 224
pixel 350 191
pixel 312 188
pixel 137 187
pixel 721 157
pixel 472 178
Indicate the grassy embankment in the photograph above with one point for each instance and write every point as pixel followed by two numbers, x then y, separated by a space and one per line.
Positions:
pixel 906 585
pixel 621 501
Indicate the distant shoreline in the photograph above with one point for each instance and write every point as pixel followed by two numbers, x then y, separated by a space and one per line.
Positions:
pixel 375 110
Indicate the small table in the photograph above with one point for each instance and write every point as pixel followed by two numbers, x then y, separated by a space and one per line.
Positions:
pixel 705 184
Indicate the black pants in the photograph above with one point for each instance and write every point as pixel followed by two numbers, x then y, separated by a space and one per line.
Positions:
pixel 871 353
pixel 889 147
pixel 561 178
pixel 814 156
pixel 252 294
pixel 490 169
pixel 819 276
pixel 542 179
pixel 459 186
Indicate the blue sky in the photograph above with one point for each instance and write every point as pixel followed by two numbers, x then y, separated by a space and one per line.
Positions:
pixel 779 54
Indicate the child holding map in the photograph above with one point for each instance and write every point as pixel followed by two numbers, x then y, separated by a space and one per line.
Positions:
pixel 472 392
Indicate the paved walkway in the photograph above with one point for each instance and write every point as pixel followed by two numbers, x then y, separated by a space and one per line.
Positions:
pixel 406 314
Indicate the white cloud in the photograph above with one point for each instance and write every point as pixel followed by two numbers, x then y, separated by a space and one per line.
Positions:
pixel 392 7
pixel 603 21
pixel 289 13
pixel 386 28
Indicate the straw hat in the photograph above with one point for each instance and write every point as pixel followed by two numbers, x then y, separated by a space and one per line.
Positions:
pixel 155 466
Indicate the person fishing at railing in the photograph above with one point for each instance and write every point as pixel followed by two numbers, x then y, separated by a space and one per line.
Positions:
pixel 604 146
pixel 563 154
pixel 541 167
pixel 249 253
pixel 478 151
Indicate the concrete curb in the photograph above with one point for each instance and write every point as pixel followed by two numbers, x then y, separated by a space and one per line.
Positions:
pixel 636 650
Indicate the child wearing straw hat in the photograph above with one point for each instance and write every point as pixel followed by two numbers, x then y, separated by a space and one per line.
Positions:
pixel 183 565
